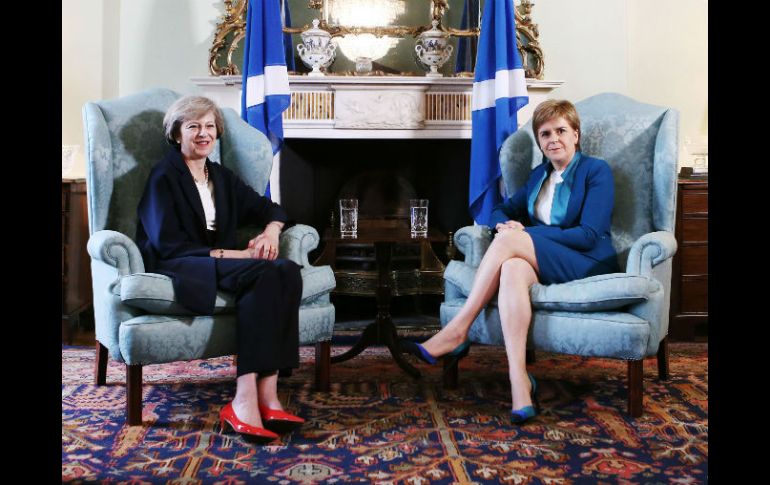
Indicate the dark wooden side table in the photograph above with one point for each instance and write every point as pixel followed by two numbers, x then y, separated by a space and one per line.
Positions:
pixel 76 292
pixel 689 281
pixel 388 278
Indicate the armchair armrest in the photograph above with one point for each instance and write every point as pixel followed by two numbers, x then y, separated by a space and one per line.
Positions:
pixel 473 242
pixel 117 250
pixel 113 255
pixel 649 251
pixel 296 242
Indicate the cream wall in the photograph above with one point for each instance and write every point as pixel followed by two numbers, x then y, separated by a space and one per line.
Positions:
pixel 653 50
pixel 165 42
pixel 584 44
pixel 112 48
pixel 83 70
pixel 668 61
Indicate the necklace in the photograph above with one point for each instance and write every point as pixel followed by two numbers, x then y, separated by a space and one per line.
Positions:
pixel 205 175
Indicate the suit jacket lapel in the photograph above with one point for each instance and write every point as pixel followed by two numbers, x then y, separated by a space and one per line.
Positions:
pixel 577 194
pixel 220 201
pixel 188 188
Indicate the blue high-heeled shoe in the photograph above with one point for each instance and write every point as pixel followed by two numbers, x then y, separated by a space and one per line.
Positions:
pixel 521 415
pixel 419 351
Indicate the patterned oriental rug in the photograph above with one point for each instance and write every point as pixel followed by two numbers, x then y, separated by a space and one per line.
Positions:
pixel 378 425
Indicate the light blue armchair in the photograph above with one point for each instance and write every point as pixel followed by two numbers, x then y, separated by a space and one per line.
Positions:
pixel 138 321
pixel 620 315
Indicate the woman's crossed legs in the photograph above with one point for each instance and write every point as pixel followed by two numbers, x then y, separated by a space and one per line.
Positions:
pixel 509 265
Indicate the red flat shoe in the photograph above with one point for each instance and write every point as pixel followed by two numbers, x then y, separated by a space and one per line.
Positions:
pixel 279 421
pixel 249 432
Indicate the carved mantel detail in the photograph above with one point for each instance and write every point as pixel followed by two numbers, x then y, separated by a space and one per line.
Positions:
pixel 369 109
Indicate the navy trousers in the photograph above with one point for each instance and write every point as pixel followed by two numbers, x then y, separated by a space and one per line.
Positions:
pixel 267 297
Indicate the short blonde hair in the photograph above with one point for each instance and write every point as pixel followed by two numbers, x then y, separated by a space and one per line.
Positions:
pixel 555 108
pixel 189 108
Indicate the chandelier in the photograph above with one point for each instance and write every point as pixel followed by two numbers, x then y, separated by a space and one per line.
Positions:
pixel 364 48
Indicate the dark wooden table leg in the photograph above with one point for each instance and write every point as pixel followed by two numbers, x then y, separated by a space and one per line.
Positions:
pixel 369 337
pixel 387 330
pixel 393 343
pixel 382 330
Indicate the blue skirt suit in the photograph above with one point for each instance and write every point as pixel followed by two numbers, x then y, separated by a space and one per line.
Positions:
pixel 174 241
pixel 576 242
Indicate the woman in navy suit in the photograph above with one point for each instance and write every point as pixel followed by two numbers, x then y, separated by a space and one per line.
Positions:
pixel 188 216
pixel 554 229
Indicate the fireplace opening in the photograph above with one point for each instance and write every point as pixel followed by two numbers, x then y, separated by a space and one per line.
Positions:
pixel 313 173
pixel 383 175
pixel 382 195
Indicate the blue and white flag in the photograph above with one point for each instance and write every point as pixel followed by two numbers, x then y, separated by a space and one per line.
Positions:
pixel 265 93
pixel 499 91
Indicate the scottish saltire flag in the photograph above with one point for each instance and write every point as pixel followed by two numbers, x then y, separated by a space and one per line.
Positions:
pixel 499 91
pixel 265 92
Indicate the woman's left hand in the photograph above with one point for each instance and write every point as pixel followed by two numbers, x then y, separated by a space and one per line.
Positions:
pixel 265 246
pixel 509 226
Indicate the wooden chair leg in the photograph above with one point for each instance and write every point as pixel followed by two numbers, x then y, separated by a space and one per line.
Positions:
pixel 635 387
pixel 100 365
pixel 451 374
pixel 323 352
pixel 663 369
pixel 134 394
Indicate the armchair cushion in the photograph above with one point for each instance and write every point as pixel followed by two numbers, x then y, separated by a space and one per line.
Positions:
pixel 596 293
pixel 593 294
pixel 154 293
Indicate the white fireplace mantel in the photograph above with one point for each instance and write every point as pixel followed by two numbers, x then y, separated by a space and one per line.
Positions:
pixel 371 107
pixel 374 106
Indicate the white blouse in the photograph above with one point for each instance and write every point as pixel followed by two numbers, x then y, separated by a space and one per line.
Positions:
pixel 206 192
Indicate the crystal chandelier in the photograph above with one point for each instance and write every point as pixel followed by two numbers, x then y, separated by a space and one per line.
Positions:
pixel 364 48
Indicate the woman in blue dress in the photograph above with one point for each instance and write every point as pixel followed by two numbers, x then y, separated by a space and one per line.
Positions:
pixel 554 229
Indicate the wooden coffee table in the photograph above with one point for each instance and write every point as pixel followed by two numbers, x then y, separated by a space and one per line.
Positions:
pixel 385 280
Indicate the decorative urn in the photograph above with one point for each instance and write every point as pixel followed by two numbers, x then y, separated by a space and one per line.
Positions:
pixel 433 50
pixel 317 50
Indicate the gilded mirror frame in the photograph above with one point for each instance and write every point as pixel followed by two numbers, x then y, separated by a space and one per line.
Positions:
pixel 232 28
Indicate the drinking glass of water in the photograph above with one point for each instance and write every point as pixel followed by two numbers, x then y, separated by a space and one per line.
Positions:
pixel 348 218
pixel 419 213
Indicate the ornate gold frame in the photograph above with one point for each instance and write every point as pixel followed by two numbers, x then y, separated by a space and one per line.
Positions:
pixel 233 24
pixel 232 29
